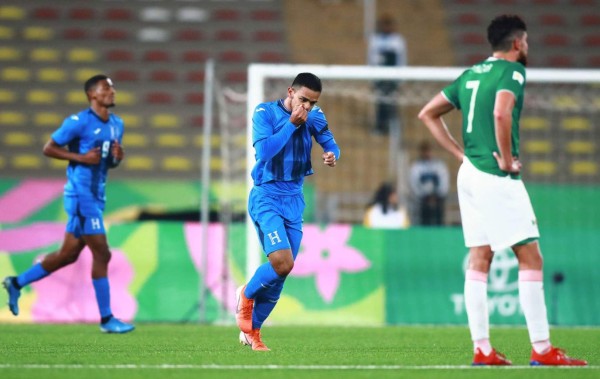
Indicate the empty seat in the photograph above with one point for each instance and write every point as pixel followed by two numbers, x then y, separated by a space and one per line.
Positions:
pixel 164 120
pixel 590 19
pixel 125 76
pixel 194 98
pixel 130 120
pixel 75 34
pixel 153 35
pixel 271 57
pixel 159 97
pixel 15 74
pixel 11 12
pixel 194 56
pixel 174 163
pixel 155 14
pixel 215 141
pixel 534 123
pixel 197 121
pixel 6 33
pixel 114 34
pixel 45 54
pixel 156 56
pixel 49 119
pixel 52 74
pixel 37 33
pixel 267 36
pixel 9 54
pixel 264 15
pixel 580 147
pixel 226 15
pixel 232 56
pixel 468 19
pixel 163 76
pixel 538 146
pixel 189 35
pixel 125 97
pixel 171 140
pixel 542 167
pixel 192 14
pixel 236 76
pixel 584 168
pixel 20 139
pixel 26 161
pixel 472 39
pixel 556 40
pixel 118 14
pixel 566 102
pixel 12 118
pixel 135 140
pixel 57 164
pixel 119 55
pixel 195 76
pixel 576 123
pixel 591 40
pixel 139 162
pixel 7 96
pixel 471 59
pixel 76 97
pixel 561 61
pixel 552 19
pixel 228 35
pixel 82 74
pixel 45 13
pixel 40 96
pixel 81 14
pixel 80 55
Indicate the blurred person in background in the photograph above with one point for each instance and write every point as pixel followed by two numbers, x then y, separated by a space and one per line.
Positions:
pixel 282 133
pixel 495 208
pixel 387 48
pixel 385 211
pixel 93 138
pixel 429 180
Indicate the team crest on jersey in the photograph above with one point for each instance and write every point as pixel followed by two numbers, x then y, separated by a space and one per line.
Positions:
pixel 260 109
pixel 518 77
pixel 74 117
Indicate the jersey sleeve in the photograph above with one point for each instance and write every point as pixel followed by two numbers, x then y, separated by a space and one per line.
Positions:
pixel 262 126
pixel 513 80
pixel 320 130
pixel 68 131
pixel 451 92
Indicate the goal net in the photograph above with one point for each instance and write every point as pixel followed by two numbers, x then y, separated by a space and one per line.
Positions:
pixel 560 139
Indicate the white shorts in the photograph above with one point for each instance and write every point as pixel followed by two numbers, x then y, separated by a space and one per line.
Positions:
pixel 495 210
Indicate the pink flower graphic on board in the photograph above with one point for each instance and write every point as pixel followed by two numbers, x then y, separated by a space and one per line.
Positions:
pixel 325 254
pixel 68 294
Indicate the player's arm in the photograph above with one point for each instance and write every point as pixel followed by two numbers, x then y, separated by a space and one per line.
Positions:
pixel 117 153
pixel 431 116
pixel 267 143
pixel 503 108
pixel 56 151
pixel 320 130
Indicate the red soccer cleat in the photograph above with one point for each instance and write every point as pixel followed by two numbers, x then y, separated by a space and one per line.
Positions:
pixel 494 359
pixel 554 357
pixel 253 340
pixel 243 310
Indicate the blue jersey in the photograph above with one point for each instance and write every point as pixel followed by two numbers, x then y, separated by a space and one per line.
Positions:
pixel 83 132
pixel 282 150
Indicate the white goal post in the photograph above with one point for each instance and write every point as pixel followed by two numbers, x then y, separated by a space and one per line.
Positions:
pixel 259 73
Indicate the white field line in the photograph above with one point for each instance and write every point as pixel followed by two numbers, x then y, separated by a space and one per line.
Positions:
pixel 273 367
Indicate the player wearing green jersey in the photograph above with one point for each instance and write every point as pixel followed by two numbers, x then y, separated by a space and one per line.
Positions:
pixel 495 208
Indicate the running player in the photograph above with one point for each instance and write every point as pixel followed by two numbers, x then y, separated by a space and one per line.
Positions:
pixel 495 208
pixel 93 137
pixel 282 133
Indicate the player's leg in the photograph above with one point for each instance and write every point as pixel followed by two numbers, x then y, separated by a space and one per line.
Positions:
pixel 531 296
pixel 68 253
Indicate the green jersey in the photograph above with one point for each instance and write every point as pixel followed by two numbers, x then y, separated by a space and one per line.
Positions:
pixel 474 93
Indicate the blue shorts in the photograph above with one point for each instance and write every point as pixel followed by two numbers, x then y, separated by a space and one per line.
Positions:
pixel 277 219
pixel 84 215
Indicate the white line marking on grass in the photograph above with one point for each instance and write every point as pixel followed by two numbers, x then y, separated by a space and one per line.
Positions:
pixel 274 367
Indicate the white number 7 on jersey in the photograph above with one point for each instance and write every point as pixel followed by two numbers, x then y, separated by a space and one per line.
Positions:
pixel 474 85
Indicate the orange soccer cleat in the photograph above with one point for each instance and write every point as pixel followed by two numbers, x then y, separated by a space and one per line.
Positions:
pixel 494 359
pixel 254 340
pixel 554 357
pixel 243 310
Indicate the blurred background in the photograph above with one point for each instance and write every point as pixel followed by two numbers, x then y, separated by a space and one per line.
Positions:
pixel 156 52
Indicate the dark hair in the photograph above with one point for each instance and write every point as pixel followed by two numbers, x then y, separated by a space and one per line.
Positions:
pixel 382 196
pixel 308 80
pixel 91 82
pixel 503 30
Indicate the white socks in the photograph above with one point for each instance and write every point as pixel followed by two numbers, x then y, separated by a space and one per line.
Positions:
pixel 476 304
pixel 533 304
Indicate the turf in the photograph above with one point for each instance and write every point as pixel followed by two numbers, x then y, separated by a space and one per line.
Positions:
pixel 199 351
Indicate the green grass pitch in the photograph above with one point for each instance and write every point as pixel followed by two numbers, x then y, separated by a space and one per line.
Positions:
pixel 200 351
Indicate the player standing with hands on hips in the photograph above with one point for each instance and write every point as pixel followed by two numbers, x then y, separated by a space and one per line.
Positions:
pixel 495 208
pixel 93 138
pixel 282 133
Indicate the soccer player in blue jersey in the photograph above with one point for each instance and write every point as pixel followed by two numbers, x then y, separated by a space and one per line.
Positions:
pixel 495 208
pixel 282 133
pixel 93 138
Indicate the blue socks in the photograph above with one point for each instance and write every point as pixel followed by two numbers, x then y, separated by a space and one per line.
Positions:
pixel 35 273
pixel 264 277
pixel 264 304
pixel 103 296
